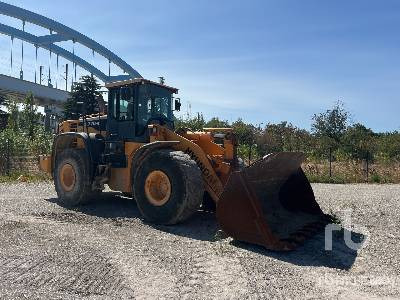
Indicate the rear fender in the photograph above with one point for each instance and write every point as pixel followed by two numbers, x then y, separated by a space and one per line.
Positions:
pixel 78 140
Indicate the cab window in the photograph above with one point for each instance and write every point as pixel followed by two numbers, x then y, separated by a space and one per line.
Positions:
pixel 154 102
pixel 122 102
pixel 126 104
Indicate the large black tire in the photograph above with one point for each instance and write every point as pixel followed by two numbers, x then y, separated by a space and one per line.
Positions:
pixel 186 187
pixel 81 190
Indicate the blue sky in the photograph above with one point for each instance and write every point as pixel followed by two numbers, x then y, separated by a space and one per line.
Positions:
pixel 263 61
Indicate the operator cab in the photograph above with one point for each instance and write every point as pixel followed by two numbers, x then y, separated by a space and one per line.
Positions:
pixel 134 104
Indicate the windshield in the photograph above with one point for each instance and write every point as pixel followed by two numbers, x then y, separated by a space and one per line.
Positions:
pixel 154 102
pixel 160 106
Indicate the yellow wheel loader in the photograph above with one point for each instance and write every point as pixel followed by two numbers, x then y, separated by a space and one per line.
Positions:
pixel 170 173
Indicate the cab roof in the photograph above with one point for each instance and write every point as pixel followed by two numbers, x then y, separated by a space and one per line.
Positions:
pixel 139 81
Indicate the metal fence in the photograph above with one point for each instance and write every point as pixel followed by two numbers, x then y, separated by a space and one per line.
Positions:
pixel 348 164
pixel 5 159
pixel 16 158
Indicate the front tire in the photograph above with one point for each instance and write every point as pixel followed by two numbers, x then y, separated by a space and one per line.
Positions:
pixel 168 187
pixel 72 178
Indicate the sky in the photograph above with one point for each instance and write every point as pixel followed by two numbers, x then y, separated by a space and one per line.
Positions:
pixel 263 61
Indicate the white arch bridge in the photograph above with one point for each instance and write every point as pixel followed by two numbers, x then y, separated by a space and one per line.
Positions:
pixel 47 95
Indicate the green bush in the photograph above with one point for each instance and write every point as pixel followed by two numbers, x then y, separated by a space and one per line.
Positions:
pixel 375 178
pixel 23 135
pixel 19 144
pixel 325 178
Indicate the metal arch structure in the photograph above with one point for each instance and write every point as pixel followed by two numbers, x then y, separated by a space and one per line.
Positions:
pixel 63 33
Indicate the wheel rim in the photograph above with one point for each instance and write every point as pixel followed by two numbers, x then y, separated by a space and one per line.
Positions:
pixel 157 188
pixel 67 177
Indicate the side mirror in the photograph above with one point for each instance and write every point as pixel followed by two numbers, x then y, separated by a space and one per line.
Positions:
pixel 178 104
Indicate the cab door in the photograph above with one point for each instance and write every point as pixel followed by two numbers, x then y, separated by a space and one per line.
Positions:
pixel 120 124
pixel 125 114
pixel 121 113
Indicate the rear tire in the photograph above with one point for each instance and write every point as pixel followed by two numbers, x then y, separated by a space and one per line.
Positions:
pixel 72 178
pixel 168 187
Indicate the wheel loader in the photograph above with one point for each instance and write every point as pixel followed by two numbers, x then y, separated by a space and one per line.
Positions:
pixel 135 149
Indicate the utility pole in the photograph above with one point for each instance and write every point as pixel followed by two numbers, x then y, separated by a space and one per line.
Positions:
pixel 40 74
pixel 66 77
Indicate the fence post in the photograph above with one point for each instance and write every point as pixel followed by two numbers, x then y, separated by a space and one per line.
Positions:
pixel 330 162
pixel 8 157
pixel 367 166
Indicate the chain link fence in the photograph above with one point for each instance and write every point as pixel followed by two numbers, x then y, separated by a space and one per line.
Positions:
pixel 344 164
pixel 16 157
pixel 357 166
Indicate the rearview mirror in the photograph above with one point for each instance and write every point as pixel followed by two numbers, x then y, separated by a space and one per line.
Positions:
pixel 178 104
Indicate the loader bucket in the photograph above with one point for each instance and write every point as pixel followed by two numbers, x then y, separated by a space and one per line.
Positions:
pixel 271 203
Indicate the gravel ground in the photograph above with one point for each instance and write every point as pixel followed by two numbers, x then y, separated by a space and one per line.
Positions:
pixel 104 250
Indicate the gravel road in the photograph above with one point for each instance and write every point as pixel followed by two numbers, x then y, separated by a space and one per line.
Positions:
pixel 104 250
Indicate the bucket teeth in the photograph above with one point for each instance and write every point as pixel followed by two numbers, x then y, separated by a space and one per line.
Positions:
pixel 291 243
pixel 299 238
pixel 308 231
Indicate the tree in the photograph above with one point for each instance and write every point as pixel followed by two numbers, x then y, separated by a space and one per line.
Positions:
pixel 26 120
pixel 29 117
pixel 246 137
pixel 215 122
pixel 358 141
pixel 24 135
pixel 331 123
pixel 329 126
pixel 245 133
pixel 14 116
pixel 195 124
pixel 86 91
pixel 388 146
pixel 284 137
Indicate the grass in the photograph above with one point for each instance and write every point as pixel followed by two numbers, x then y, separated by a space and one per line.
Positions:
pixel 352 172
pixel 16 176
pixel 325 178
pixel 317 172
